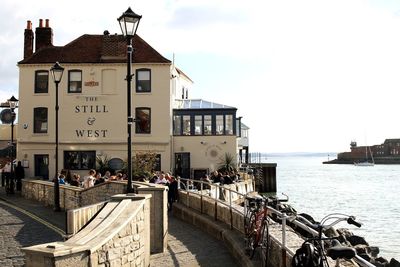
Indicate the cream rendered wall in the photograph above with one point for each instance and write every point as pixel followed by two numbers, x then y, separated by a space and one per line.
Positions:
pixel 95 119
pixel 206 151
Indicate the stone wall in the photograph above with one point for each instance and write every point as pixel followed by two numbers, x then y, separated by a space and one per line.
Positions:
pixel 72 197
pixel 119 236
pixel 233 219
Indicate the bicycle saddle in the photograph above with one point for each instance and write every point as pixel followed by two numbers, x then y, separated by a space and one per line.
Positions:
pixel 341 252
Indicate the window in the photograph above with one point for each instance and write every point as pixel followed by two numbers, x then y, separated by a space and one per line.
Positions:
pixel 79 160
pixel 41 81
pixel 157 165
pixel 228 124
pixel 143 80
pixel 75 81
pixel 186 125
pixel 40 120
pixel 198 125
pixel 143 120
pixel 207 125
pixel 177 125
pixel 219 124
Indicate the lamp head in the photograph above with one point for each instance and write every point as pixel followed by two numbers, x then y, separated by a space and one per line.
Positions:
pixel 12 102
pixel 129 22
pixel 57 72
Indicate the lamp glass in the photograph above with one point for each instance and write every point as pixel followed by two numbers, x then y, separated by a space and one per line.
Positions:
pixel 129 22
pixel 57 72
pixel 12 102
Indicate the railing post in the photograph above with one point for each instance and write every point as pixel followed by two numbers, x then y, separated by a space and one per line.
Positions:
pixel 215 203
pixel 201 197
pixel 230 207
pixel 283 240
pixel 187 193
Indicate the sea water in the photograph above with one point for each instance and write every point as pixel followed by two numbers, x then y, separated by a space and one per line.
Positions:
pixel 369 193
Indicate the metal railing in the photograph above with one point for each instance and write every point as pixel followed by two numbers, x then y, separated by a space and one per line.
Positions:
pixel 206 191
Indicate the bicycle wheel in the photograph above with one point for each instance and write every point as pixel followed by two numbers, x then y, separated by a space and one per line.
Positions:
pixel 265 241
pixel 247 216
pixel 251 236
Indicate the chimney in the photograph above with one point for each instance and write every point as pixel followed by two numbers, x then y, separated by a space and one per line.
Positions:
pixel 44 35
pixel 28 40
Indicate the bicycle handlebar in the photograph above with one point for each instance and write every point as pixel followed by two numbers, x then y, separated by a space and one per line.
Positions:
pixel 352 220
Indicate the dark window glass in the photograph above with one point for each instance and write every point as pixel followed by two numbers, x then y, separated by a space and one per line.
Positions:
pixel 186 125
pixel 207 124
pixel 177 125
pixel 143 80
pixel 198 125
pixel 143 120
pixel 219 124
pixel 157 164
pixel 41 81
pixel 40 120
pixel 228 124
pixel 79 160
pixel 75 81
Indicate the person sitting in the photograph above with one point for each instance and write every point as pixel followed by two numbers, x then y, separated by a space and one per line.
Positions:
pixel 107 175
pixel 89 180
pixel 227 179
pixel 99 179
pixel 161 179
pixel 75 180
pixel 61 179
pixel 207 181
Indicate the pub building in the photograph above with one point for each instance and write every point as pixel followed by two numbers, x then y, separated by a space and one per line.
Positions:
pixel 189 136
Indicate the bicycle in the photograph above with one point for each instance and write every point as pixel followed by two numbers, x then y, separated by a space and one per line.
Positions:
pixel 256 225
pixel 257 219
pixel 312 252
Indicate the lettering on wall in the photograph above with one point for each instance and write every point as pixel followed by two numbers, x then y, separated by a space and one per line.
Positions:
pixel 93 110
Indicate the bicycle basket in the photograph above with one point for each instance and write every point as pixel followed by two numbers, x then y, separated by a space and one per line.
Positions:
pixel 306 256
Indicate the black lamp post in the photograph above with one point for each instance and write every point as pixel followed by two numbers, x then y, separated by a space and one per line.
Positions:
pixel 129 22
pixel 57 72
pixel 12 103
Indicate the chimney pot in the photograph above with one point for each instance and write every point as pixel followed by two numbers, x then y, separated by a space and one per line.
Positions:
pixel 40 23
pixel 29 25
pixel 47 23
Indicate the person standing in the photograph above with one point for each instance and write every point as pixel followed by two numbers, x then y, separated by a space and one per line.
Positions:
pixel 7 177
pixel 19 175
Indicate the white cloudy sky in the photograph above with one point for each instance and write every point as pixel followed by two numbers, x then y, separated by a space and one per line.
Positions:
pixel 307 75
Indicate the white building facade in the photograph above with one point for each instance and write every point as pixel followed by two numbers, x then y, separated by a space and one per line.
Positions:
pixel 93 108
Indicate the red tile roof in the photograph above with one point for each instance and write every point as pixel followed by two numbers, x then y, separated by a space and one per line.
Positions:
pixel 96 49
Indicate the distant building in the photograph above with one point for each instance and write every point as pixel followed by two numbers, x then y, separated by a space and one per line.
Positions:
pixel 189 136
pixel 386 153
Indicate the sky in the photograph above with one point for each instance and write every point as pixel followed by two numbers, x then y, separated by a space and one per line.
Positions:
pixel 306 76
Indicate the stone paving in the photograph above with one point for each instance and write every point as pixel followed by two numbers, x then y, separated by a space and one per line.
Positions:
pixel 19 230
pixel 189 246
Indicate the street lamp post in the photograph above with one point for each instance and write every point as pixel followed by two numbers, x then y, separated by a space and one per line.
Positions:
pixel 12 103
pixel 129 22
pixel 57 72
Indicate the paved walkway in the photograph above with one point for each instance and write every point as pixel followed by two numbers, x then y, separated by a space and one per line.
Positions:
pixel 26 223
pixel 189 246
pixel 20 226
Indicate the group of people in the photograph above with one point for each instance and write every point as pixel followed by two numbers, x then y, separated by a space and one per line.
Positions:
pixel 91 179
pixel 11 179
pixel 167 179
pixel 221 177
